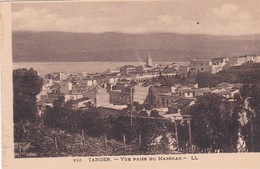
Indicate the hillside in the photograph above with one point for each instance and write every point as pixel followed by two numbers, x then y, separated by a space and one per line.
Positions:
pixel 70 47
pixel 246 73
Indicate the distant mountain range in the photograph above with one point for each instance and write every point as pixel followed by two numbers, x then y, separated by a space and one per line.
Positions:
pixel 111 46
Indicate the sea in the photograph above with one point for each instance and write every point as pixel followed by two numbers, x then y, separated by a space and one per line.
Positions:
pixel 78 67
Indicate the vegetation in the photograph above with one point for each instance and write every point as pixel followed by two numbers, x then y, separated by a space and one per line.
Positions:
pixel 246 73
pixel 26 85
pixel 215 122
pixel 249 101
pixel 64 131
pixel 49 142
pixel 207 79
pixel 138 131
pixel 214 127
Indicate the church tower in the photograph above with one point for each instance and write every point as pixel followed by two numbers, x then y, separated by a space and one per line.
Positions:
pixel 149 61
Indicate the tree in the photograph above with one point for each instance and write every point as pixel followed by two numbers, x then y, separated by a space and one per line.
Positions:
pixel 63 116
pixel 162 129
pixel 144 130
pixel 183 135
pixel 206 79
pixel 26 85
pixel 55 116
pixel 250 101
pixel 150 128
pixel 94 125
pixel 154 113
pixel 24 108
pixel 213 125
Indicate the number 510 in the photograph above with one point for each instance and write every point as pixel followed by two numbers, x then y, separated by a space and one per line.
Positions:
pixel 77 160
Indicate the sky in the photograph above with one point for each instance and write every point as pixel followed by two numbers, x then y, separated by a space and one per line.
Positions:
pixel 214 17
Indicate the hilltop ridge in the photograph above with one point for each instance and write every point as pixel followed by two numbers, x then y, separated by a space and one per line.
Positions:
pixel 112 46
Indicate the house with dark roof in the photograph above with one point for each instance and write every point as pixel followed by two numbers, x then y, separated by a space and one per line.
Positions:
pixel 127 69
pixel 83 102
pixel 122 97
pixel 143 69
pixel 164 100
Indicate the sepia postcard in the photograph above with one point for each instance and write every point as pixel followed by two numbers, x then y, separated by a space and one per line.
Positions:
pixel 130 84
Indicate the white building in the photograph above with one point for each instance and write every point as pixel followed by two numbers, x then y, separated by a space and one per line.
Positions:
pixel 218 64
pixel 257 59
pixel 65 87
pixel 200 65
pixel 63 76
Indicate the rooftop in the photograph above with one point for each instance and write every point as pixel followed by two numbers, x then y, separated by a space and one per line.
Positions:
pixel 184 101
pixel 80 100
pixel 127 66
pixel 217 59
pixel 201 59
pixel 116 107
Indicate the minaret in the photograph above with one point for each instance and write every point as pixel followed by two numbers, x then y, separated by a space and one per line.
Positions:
pixel 149 61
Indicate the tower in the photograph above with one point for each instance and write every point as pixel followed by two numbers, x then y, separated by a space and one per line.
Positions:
pixel 149 61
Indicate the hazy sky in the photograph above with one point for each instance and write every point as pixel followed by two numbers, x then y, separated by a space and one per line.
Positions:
pixel 218 17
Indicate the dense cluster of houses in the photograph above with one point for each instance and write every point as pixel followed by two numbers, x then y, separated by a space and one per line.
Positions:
pixel 112 91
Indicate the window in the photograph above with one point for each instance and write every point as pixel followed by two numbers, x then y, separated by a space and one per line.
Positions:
pixel 202 69
pixel 162 100
pixel 201 64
